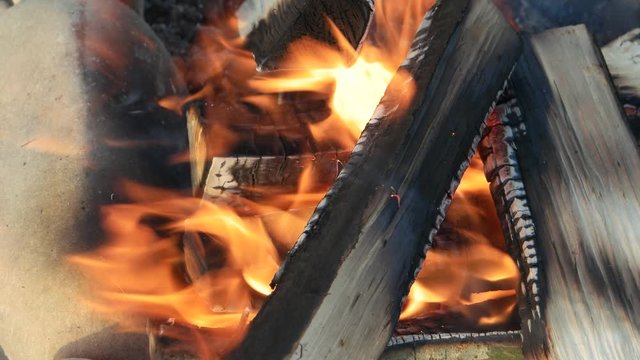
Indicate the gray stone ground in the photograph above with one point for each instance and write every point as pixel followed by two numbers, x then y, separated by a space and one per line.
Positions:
pixel 61 99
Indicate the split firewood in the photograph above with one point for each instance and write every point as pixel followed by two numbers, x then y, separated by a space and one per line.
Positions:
pixel 580 166
pixel 80 81
pixel 339 293
pixel 456 346
pixel 498 152
pixel 270 26
pixel 237 175
pixel 622 57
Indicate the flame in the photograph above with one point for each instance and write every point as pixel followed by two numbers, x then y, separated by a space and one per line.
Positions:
pixel 140 268
pixel 477 279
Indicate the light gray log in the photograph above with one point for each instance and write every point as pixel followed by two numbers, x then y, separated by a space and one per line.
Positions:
pixel 580 167
pixel 623 60
pixel 75 121
pixel 270 26
pixel 495 345
pixel 338 295
pixel 236 175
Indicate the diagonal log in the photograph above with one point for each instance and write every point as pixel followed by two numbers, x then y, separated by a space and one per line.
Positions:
pixel 580 166
pixel 339 292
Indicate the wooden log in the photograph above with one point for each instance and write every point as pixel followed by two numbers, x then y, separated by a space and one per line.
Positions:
pixel 495 345
pixel 498 152
pixel 621 56
pixel 238 175
pixel 270 26
pixel 580 167
pixel 338 295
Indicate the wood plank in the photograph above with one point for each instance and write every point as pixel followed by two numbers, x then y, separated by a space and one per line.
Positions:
pixel 270 26
pixel 580 166
pixel 338 295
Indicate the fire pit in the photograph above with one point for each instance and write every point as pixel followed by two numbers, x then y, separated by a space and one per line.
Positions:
pixel 320 179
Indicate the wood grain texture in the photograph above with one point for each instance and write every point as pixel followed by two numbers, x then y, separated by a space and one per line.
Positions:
pixel 580 167
pixel 270 26
pixel 338 295
pixel 463 346
pixel 237 175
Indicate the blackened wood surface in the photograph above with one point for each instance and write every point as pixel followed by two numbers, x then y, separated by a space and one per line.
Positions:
pixel 272 25
pixel 339 292
pixel 498 152
pixel 581 169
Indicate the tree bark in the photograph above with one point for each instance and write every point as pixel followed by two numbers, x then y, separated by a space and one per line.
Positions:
pixel 580 166
pixel 338 295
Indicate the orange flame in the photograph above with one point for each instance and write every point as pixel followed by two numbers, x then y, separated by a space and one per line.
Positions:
pixel 140 268
pixel 478 272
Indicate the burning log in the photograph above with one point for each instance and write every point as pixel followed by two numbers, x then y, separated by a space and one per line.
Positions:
pixel 270 26
pixel 580 167
pixel 498 152
pixel 74 122
pixel 338 294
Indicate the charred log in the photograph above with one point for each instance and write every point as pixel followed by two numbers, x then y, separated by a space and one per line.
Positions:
pixel 338 293
pixel 498 152
pixel 272 25
pixel 580 166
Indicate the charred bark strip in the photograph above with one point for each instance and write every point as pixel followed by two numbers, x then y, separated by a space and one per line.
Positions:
pixel 339 292
pixel 454 338
pixel 498 152
pixel 580 167
pixel 272 25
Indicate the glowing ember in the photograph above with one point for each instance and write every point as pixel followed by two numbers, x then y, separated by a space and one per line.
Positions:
pixel 140 268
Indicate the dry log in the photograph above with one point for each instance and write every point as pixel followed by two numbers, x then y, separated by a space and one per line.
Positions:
pixel 622 56
pixel 74 123
pixel 237 175
pixel 339 292
pixel 490 346
pixel 580 166
pixel 270 26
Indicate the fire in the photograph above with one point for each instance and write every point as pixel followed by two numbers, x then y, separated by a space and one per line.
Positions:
pixel 140 269
pixel 466 271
